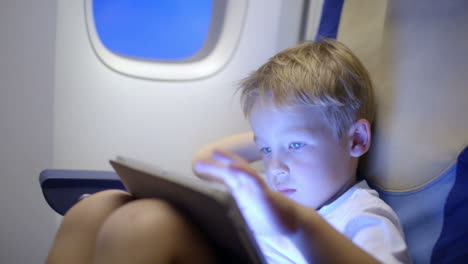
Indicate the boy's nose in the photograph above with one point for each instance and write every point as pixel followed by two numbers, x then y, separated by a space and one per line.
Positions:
pixel 278 172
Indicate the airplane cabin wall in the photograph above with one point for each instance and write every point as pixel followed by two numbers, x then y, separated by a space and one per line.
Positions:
pixel 99 113
pixel 27 47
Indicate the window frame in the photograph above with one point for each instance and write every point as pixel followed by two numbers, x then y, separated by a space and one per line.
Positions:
pixel 215 54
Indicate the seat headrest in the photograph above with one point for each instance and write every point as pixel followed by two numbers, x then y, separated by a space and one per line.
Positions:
pixel 422 116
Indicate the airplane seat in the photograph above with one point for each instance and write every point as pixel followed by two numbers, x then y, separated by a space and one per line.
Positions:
pixel 451 247
pixel 63 188
pixel 417 161
pixel 434 216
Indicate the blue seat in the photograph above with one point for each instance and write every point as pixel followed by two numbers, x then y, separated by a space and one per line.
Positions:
pixel 452 245
pixel 434 216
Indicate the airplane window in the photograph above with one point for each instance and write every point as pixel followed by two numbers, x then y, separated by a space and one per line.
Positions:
pixel 165 39
pixel 160 30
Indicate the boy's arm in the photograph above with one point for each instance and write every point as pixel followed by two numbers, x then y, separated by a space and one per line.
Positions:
pixel 318 241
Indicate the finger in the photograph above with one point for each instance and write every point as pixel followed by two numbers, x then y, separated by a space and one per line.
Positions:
pixel 250 173
pixel 215 170
pixel 207 167
pixel 236 176
pixel 201 172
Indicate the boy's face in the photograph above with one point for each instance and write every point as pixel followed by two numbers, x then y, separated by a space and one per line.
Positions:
pixel 303 158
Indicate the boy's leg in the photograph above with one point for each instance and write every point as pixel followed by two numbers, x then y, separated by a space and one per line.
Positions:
pixel 150 231
pixel 75 239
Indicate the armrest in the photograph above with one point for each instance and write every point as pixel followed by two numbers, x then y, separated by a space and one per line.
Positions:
pixel 63 188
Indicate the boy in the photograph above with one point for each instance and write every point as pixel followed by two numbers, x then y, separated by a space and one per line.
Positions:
pixel 309 108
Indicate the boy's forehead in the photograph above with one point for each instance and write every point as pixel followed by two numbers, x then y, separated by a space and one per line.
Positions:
pixel 269 108
pixel 281 101
pixel 291 130
pixel 296 119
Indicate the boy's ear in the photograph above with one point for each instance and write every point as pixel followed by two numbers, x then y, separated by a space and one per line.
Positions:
pixel 359 138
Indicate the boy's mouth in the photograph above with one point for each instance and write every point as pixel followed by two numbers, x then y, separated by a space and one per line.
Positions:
pixel 287 192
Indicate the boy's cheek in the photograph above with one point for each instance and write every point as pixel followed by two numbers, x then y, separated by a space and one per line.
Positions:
pixel 265 178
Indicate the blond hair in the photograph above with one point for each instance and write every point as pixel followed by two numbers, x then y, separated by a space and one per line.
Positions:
pixel 324 74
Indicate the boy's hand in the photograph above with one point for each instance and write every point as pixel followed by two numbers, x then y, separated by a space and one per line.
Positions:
pixel 266 212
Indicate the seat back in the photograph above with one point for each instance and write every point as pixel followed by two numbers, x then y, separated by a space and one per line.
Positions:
pixel 422 125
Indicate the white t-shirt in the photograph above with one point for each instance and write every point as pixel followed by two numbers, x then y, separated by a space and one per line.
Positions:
pixel 361 216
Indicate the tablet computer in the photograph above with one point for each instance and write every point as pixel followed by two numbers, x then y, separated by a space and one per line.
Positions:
pixel 209 205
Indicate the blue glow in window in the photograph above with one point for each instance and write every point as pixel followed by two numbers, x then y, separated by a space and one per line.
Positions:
pixel 153 29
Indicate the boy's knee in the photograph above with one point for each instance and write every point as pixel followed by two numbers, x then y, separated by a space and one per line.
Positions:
pixel 150 229
pixel 76 236
pixel 143 219
pixel 94 209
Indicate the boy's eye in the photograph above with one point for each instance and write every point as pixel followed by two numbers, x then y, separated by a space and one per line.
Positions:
pixel 296 145
pixel 265 150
